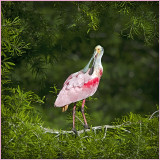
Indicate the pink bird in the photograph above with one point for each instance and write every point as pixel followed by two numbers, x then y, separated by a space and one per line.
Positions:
pixel 81 85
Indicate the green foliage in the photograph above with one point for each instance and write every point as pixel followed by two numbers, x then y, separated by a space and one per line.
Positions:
pixel 19 119
pixel 142 20
pixel 11 42
pixel 143 26
pixel 37 35
pixel 136 138
pixel 12 45
pixel 17 110
pixel 140 142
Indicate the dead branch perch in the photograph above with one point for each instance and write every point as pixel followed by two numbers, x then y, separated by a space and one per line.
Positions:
pixel 153 114
pixel 47 130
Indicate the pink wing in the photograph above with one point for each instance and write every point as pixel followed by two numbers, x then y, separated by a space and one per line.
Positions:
pixel 78 86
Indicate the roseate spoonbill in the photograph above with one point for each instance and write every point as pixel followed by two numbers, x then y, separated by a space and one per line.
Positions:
pixel 81 85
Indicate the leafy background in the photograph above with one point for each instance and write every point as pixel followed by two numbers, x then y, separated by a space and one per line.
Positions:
pixel 44 42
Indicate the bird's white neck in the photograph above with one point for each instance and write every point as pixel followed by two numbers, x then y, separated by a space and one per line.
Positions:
pixel 98 68
pixel 98 62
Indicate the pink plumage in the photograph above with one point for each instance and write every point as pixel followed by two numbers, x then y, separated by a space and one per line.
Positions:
pixel 81 85
pixel 78 86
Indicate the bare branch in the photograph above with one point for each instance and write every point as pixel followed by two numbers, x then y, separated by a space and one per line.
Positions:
pixel 153 114
pixel 47 130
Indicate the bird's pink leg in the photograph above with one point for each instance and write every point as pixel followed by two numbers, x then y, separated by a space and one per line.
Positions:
pixel 82 109
pixel 74 112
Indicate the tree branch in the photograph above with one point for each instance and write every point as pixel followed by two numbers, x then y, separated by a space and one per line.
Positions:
pixel 47 130
pixel 153 114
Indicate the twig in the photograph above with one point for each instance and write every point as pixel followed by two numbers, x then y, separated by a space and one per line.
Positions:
pixel 80 120
pixel 105 133
pixel 153 114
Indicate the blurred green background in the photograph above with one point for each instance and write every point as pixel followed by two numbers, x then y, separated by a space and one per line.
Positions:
pixel 62 37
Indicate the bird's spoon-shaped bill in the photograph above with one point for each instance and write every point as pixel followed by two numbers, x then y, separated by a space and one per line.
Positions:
pixel 85 69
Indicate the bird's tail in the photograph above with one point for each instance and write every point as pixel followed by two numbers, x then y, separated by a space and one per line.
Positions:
pixel 64 108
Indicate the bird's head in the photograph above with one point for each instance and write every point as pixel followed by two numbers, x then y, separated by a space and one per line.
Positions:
pixel 98 51
pixel 97 55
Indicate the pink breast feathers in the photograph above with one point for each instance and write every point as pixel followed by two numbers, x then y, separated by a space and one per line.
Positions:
pixel 91 83
pixel 101 72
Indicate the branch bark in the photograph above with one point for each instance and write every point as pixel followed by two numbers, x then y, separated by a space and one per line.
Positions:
pixel 153 114
pixel 47 130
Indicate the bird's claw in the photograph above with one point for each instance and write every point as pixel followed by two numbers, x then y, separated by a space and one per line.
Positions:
pixel 86 126
pixel 74 130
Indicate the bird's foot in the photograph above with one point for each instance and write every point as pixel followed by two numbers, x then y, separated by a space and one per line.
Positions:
pixel 74 130
pixel 86 126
